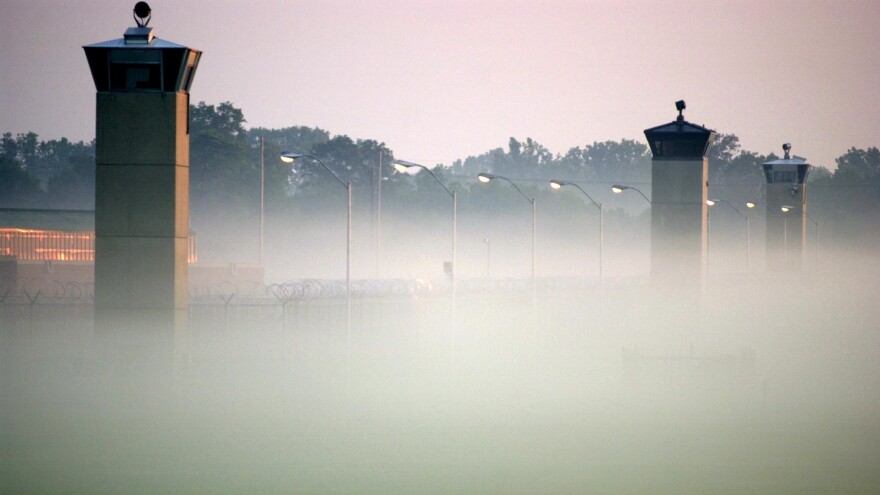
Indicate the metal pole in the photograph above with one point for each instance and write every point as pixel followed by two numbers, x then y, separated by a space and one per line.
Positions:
pixel 601 240
pixel 557 184
pixel 262 195
pixel 348 268
pixel 379 214
pixel 454 241
pixel 454 281
pixel 748 241
pixel 708 239
pixel 488 254
pixel 785 240
pixel 534 231
pixel 373 175
pixel 348 246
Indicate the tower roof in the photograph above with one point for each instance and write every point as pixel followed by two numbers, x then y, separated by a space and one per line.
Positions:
pixel 795 160
pixel 140 62
pixel 789 168
pixel 679 138
pixel 154 43
pixel 679 126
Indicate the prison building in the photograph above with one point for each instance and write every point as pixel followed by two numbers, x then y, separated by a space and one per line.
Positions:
pixel 55 235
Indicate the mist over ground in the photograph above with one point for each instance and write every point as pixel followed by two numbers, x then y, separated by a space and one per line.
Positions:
pixel 763 383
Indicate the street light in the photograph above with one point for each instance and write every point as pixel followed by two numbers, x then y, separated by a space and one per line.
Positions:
pixel 403 166
pixel 488 253
pixel 618 188
pixel 290 157
pixel 713 202
pixel 558 184
pixel 786 209
pixel 262 197
pixel 751 205
pixel 486 178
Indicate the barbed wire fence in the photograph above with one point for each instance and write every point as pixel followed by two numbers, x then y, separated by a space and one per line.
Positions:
pixel 290 303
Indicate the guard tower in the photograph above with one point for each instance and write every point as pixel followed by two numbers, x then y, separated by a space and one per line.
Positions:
pixel 786 211
pixel 142 178
pixel 679 190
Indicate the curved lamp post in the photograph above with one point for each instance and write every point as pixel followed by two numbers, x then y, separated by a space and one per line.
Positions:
pixel 558 184
pixel 618 188
pixel 751 205
pixel 786 209
pixel 403 166
pixel 713 202
pixel 488 243
pixel 290 157
pixel 486 178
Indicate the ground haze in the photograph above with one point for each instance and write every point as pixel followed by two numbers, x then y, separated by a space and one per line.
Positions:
pixel 759 384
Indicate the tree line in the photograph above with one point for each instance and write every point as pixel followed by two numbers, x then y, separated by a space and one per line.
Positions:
pixel 225 170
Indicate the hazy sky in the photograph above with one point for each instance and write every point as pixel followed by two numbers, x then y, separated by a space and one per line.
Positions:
pixel 439 80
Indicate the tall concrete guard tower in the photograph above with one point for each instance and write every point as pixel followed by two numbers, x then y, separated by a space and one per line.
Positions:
pixel 786 211
pixel 142 182
pixel 679 190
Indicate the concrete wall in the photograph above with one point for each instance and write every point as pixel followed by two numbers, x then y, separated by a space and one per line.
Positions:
pixel 679 220
pixel 142 201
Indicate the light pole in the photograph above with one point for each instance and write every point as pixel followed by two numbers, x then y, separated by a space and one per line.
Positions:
pixel 815 240
pixel 618 188
pixel 262 197
pixel 290 157
pixel 379 213
pixel 786 209
pixel 713 202
pixel 488 253
pixel 558 184
pixel 486 178
pixel 403 166
pixel 750 205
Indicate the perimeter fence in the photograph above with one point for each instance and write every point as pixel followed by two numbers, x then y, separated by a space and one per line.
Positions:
pixel 289 300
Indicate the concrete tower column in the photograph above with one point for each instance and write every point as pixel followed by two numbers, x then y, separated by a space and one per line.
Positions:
pixel 142 178
pixel 679 190
pixel 786 230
